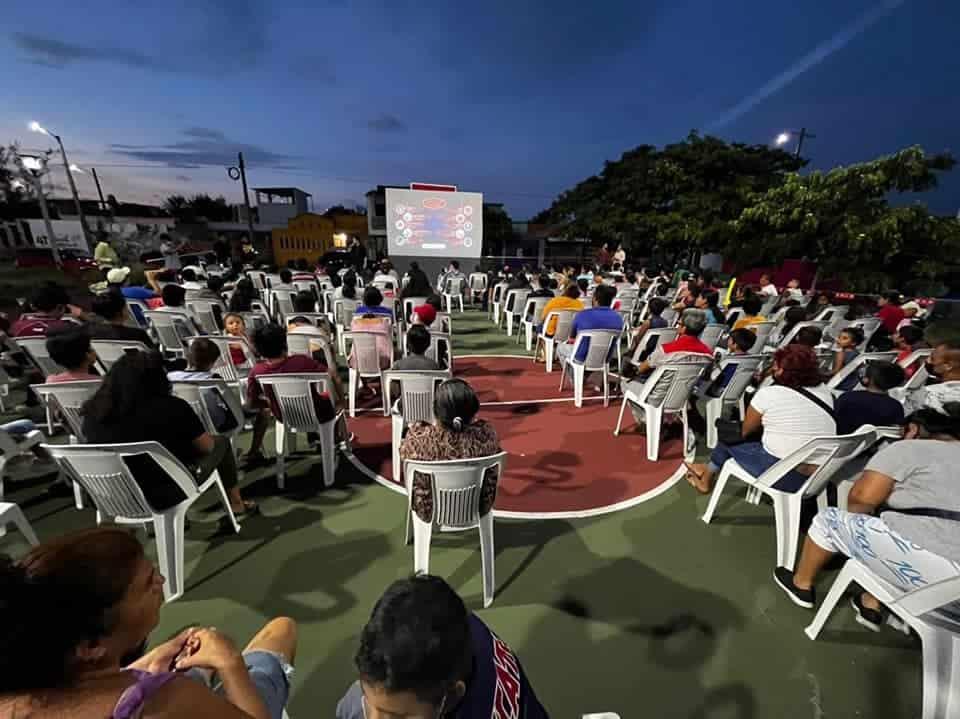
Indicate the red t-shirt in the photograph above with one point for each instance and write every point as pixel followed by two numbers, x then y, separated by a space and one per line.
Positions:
pixel 291 364
pixel 37 324
pixel 890 315
pixel 687 343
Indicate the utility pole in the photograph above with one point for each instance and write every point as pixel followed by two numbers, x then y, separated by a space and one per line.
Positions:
pixel 802 136
pixel 240 173
pixel 33 167
pixel 103 204
pixel 73 189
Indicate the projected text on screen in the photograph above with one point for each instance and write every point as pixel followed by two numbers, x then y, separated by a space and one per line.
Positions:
pixel 434 224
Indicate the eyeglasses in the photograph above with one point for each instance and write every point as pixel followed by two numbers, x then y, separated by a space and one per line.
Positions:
pixel 369 714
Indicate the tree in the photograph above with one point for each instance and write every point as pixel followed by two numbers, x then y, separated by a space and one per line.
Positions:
pixel 673 200
pixel 497 228
pixel 842 219
pixel 199 207
pixel 15 190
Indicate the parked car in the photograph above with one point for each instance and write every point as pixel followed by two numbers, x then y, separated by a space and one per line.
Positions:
pixel 336 260
pixel 74 262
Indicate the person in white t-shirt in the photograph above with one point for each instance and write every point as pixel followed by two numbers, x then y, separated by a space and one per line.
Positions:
pixel 767 287
pixel 794 410
pixel 793 291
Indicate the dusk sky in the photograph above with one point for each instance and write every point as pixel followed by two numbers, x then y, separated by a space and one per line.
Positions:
pixel 518 100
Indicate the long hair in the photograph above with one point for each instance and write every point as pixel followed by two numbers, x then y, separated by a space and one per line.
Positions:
pixel 57 597
pixel 133 378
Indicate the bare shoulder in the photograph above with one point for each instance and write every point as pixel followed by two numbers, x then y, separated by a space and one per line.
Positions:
pixel 184 698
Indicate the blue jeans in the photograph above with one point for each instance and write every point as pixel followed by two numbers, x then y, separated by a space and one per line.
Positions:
pixel 18 427
pixel 270 674
pixel 756 460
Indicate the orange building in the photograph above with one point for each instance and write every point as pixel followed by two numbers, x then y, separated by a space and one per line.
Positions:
pixel 309 235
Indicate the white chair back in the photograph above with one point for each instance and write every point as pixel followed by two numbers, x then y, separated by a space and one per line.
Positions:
pixel 109 351
pixel 417 390
pixel 869 325
pixel 534 307
pixel 670 316
pixel 343 311
pixel 365 353
pixel 746 366
pixel 209 313
pixel 306 286
pixel 478 282
pixel 254 320
pixel 294 395
pixel 515 301
pixel 763 331
pixel 68 398
pixel 456 487
pixel 662 336
pixel 670 385
pixel 829 453
pixel 711 335
pixel 304 343
pixel 409 304
pixel 194 391
pixel 564 324
pixel 281 303
pixel 454 286
pixel 828 313
pixel 317 319
pixel 854 366
pixel 444 358
pixel 599 344
pixel 769 304
pixel 788 338
pixel 734 314
pixel 914 357
pixel 171 329
pixel 36 350
pixel 224 366
pixel 135 310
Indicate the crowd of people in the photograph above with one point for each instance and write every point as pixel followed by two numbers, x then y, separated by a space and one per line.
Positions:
pixel 422 653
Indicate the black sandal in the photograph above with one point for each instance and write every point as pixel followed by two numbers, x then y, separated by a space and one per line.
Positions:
pixel 872 619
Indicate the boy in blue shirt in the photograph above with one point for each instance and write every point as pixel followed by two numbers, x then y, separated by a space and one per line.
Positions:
pixel 598 317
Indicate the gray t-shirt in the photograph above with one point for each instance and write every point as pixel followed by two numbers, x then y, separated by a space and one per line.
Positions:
pixel 924 472
pixel 416 362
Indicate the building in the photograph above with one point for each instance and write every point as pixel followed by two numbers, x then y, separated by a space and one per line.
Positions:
pixel 310 235
pixel 276 206
pixel 377 218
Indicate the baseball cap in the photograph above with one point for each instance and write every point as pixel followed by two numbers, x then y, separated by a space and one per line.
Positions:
pixel 911 305
pixel 118 275
pixel 426 313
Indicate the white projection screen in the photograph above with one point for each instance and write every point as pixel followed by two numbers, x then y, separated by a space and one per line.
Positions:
pixel 421 223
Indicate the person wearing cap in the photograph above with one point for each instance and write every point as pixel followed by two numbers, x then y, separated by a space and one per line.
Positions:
pixel 911 310
pixel 105 256
pixel 424 315
pixel 117 279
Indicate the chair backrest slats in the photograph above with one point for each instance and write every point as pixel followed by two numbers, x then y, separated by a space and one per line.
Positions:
pixel 456 486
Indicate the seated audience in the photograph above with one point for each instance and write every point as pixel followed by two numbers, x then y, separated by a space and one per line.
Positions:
pixel 767 288
pixel 752 304
pixel 372 303
pixel 808 337
pixel 911 311
pixel 692 324
pixel 890 312
pixel 118 279
pixel 349 282
pixel 872 405
pixel 244 294
pixel 709 302
pixel 907 340
pixel 235 326
pixel 270 343
pixel 568 301
pixel 190 280
pixel 305 302
pixel 134 404
pixel 49 303
pixel 793 291
pixel 598 317
pixel 77 612
pixel 423 654
pixel 791 318
pixel 543 288
pixel 70 348
pixel 418 284
pixel 110 309
pixel 418 342
pixel 654 321
pixel 739 342
pixel 943 366
pixel 847 343
pixel 455 434
pixel 902 515
pixel 425 315
pixel 792 411
pixel 201 358
pixel 286 282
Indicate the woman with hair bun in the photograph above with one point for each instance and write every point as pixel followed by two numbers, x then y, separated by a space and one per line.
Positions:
pixel 902 518
pixel 76 613
pixel 455 434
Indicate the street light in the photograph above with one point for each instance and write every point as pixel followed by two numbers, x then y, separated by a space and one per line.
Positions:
pixel 37 127
pixel 33 168
pixel 784 137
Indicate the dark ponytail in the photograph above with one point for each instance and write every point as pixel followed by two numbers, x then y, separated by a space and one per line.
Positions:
pixel 455 404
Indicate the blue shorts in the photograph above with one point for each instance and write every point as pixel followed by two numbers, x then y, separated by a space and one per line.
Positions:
pixel 270 674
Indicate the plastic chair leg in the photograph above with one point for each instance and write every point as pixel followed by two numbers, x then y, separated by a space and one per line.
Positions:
pixel 623 407
pixel 353 379
pixel 11 513
pixel 578 379
pixel 529 329
pixel 786 510
pixel 169 532
pixel 548 353
pixel 487 558
pixel 940 698
pixel 654 418
pixel 844 579
pixel 422 531
pixel 396 436
pixel 509 324
pixel 280 438
pixel 718 487
pixel 606 387
pixel 222 491
pixel 713 412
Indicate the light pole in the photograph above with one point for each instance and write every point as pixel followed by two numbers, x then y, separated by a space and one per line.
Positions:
pixel 784 137
pixel 33 167
pixel 240 173
pixel 37 127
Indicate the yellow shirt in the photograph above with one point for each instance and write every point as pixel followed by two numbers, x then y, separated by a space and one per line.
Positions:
pixel 557 304
pixel 748 322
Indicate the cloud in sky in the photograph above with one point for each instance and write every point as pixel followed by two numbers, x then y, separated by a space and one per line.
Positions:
pixel 205 146
pixel 385 122
pixel 813 58
pixel 56 53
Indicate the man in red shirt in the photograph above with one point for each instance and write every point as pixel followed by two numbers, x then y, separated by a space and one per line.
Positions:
pixel 270 343
pixel 890 312
pixel 50 302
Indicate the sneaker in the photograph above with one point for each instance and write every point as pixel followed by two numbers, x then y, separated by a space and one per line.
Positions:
pixel 801 597
pixel 872 619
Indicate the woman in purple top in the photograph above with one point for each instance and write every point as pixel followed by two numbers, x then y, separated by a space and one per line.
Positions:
pixel 76 612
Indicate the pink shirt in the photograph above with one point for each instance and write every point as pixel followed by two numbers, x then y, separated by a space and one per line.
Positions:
pixel 70 377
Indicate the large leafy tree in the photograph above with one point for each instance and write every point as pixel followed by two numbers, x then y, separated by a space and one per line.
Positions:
pixel 198 207
pixel 14 188
pixel 674 200
pixel 497 228
pixel 842 219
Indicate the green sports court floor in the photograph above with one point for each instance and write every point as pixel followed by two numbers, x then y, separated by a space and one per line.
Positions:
pixel 647 612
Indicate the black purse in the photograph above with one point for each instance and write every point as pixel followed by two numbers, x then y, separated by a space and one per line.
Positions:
pixel 730 431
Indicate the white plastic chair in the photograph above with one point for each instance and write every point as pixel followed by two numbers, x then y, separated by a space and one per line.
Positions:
pixel 135 310
pixel 235 375
pixel 5 383
pixel 453 291
pixel 306 343
pixel 564 325
pixel 12 514
pixel 854 366
pixel 496 302
pixel 281 303
pixel 456 487
pixel 366 362
pixel 734 314
pixel 440 350
pixel 788 338
pixel 763 331
pixel 532 310
pixel 769 304
pixel 733 393
pixel 11 447
pixel 666 391
pixel 109 351
pixel 922 609
pixel 869 325
pixel 171 329
pixel 916 381
pixel 343 311
pixel 597 360
pixel 830 453
pixel 35 348
pixel 192 392
pixel 254 320
pixel 828 313
pixel 711 335
pixel 415 404
pixel 101 471
pixel 409 304
pixel 513 307
pixel 651 340
pixel 208 313
pixel 294 395
pixel 307 286
pixel 477 283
